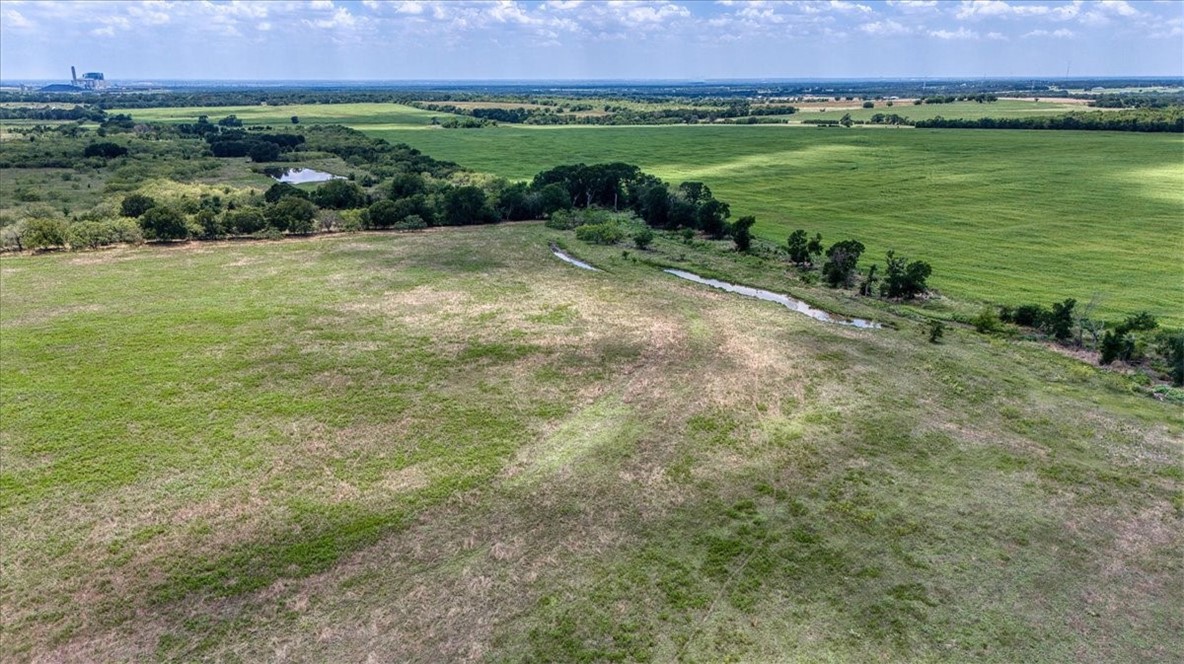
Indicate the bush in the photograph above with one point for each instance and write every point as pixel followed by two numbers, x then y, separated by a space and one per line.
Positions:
pixel 282 189
pixel 245 221
pixel 43 233
pixel 292 214
pixel 412 222
pixel 842 258
pixel 643 238
pixel 95 234
pixel 903 280
pixel 987 321
pixel 339 195
pixel 607 233
pixel 742 233
pixel 164 223
pixel 135 205
pixel 937 329
pixel 105 150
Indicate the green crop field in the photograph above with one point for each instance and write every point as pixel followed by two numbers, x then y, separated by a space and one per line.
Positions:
pixel 1003 216
pixel 450 446
pixel 970 110
pixel 348 114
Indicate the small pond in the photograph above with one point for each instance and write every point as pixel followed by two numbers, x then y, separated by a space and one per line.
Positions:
pixel 563 256
pixel 300 175
pixel 770 296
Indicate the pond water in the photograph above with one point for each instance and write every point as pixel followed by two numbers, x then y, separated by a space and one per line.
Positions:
pixel 300 175
pixel 559 253
pixel 770 296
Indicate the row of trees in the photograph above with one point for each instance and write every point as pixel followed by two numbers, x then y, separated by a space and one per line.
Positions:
pixel 1135 340
pixel 1144 120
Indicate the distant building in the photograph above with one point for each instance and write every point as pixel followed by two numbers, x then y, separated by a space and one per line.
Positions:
pixel 91 80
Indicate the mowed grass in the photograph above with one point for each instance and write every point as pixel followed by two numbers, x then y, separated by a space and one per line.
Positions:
pixel 450 446
pixel 1003 216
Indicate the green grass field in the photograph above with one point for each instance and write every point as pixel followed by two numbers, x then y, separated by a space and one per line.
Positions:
pixel 1005 108
pixel 449 446
pixel 347 114
pixel 1003 216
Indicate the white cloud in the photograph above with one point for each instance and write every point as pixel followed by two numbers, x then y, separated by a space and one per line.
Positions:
pixel 341 19
pixel 908 5
pixel 14 19
pixel 886 27
pixel 997 36
pixel 959 34
pixel 1062 33
pixel 321 5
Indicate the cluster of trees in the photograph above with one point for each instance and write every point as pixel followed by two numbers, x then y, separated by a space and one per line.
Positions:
pixel 75 113
pixel 259 147
pixel 839 267
pixel 1148 119
pixel 981 98
pixel 613 115
pixel 1135 340
pixel 1138 100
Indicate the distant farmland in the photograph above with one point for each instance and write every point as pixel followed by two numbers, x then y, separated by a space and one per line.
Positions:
pixel 1004 216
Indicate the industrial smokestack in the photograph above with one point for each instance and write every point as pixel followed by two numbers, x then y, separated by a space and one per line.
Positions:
pixel 73 75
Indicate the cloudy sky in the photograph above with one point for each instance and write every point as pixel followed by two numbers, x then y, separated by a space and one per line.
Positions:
pixel 570 39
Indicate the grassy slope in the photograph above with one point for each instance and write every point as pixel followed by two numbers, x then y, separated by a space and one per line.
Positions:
pixel 1003 216
pixel 450 446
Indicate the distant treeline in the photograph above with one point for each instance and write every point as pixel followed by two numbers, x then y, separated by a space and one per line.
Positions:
pixel 611 115
pixel 84 113
pixel 1139 100
pixel 1149 120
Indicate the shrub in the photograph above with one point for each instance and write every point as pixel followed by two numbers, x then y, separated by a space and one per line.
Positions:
pixel 412 222
pixel 842 258
pixel 987 321
pixel 135 205
pixel 164 223
pixel 936 330
pixel 291 214
pixel 106 150
pixel 245 221
pixel 903 280
pixel 607 233
pixel 643 238
pixel 282 189
pixel 742 233
pixel 43 233
pixel 339 195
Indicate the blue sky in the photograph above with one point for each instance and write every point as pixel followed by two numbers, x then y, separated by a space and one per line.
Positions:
pixel 569 39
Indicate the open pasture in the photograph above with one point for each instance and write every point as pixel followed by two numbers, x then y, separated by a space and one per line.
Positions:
pixel 450 446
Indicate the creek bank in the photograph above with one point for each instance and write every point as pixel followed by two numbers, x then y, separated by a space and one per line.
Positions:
pixel 791 303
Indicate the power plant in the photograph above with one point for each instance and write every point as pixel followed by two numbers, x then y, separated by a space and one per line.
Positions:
pixel 90 81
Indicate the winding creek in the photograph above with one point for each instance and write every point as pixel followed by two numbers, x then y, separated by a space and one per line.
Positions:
pixel 563 256
pixel 793 304
pixel 769 296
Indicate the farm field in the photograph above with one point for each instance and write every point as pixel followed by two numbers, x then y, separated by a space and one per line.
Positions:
pixel 1004 108
pixel 1003 216
pixel 449 446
